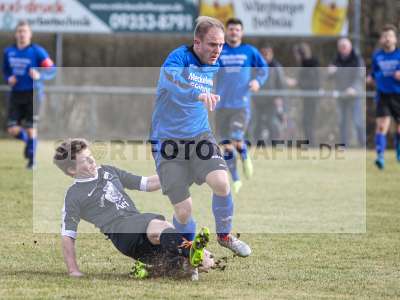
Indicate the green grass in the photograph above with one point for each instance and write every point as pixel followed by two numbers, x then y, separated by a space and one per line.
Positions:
pixel 283 265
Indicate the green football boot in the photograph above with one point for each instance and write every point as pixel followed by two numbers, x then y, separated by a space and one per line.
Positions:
pixel 197 249
pixel 139 271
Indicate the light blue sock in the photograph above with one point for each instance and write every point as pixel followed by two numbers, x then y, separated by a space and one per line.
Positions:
pixel 397 143
pixel 223 213
pixel 231 162
pixel 380 144
pixel 188 230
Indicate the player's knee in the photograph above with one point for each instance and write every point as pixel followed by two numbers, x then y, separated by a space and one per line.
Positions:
pixel 12 131
pixel 183 211
pixel 221 186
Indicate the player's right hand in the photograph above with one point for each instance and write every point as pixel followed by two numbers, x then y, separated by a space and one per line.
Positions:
pixel 370 80
pixel 12 80
pixel 210 100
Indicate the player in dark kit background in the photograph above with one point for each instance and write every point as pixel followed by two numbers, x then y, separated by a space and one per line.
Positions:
pixel 25 66
pixel 98 196
pixel 386 76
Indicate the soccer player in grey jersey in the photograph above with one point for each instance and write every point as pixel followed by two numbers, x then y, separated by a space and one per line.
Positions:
pixel 98 196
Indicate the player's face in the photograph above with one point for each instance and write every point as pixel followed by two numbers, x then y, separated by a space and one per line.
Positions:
pixel 388 39
pixel 23 35
pixel 209 48
pixel 85 165
pixel 234 34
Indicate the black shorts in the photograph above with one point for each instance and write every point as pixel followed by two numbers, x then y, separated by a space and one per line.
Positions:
pixel 388 105
pixel 231 124
pixel 180 163
pixel 22 109
pixel 129 237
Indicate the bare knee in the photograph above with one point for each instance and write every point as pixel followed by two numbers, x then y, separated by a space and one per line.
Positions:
pixel 154 230
pixel 14 130
pixel 183 211
pixel 219 182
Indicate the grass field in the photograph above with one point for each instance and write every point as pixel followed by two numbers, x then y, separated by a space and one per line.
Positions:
pixel 283 265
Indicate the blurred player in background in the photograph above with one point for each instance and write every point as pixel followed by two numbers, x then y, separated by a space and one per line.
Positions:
pixel 21 63
pixel 386 75
pixel 243 71
pixel 184 149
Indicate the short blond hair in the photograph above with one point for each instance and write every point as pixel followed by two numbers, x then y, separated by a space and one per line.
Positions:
pixel 204 24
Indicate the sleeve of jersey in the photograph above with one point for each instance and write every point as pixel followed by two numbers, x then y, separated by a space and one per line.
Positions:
pixel 7 73
pixel 262 69
pixel 47 67
pixel 129 180
pixel 374 67
pixel 70 217
pixel 174 81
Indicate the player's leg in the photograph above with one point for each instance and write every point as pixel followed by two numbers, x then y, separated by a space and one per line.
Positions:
pixel 222 120
pixel 31 118
pixel 397 142
pixel 239 123
pixel 382 128
pixel 222 206
pixel 14 118
pixel 208 165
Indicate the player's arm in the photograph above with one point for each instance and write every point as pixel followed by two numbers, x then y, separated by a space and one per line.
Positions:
pixel 134 182
pixel 261 72
pixel 70 221
pixel 374 70
pixel 47 69
pixel 68 246
pixel 9 78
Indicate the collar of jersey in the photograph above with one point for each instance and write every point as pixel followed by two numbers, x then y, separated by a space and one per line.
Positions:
pixel 89 178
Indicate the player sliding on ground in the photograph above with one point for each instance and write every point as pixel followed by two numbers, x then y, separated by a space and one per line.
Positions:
pixel 184 148
pixel 98 196
pixel 243 70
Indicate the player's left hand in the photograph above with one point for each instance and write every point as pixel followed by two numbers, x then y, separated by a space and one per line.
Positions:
pixel 397 75
pixel 34 74
pixel 254 86
pixel 210 100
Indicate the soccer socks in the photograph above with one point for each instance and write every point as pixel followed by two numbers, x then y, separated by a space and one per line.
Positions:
pixel 243 151
pixel 22 135
pixel 380 145
pixel 187 230
pixel 31 149
pixel 223 212
pixel 397 145
pixel 231 162
pixel 171 240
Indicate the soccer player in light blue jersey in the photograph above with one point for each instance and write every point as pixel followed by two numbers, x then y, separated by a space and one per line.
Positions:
pixel 25 66
pixel 243 70
pixel 386 75
pixel 184 149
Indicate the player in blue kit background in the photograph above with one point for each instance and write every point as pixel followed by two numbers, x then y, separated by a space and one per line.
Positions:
pixel 23 70
pixel 184 149
pixel 243 71
pixel 386 75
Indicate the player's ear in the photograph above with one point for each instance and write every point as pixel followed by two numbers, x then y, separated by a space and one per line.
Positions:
pixel 71 171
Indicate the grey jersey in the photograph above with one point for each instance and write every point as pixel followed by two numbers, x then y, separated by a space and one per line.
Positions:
pixel 101 201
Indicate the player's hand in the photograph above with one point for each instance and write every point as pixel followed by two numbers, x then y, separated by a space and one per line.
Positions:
pixel 397 75
pixel 12 80
pixel 291 82
pixel 75 274
pixel 210 100
pixel 34 74
pixel 254 86
pixel 332 69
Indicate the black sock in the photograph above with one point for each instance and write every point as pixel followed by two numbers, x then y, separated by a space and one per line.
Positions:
pixel 171 240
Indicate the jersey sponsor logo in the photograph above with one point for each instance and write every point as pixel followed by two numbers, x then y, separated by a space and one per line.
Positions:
pixel 388 67
pixel 113 195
